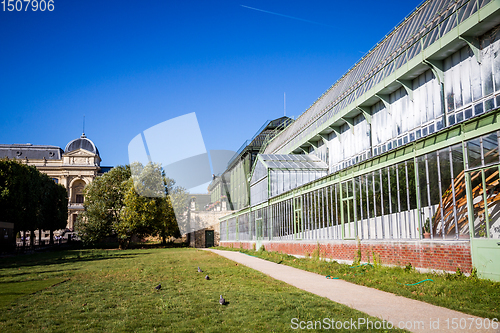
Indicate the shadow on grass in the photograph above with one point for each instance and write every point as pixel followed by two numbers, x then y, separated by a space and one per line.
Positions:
pixel 63 257
pixel 14 290
pixel 12 275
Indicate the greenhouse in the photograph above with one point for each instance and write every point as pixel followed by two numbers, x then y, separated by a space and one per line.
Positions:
pixel 410 140
pixel 276 174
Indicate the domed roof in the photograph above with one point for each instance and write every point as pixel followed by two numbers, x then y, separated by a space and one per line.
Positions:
pixel 82 142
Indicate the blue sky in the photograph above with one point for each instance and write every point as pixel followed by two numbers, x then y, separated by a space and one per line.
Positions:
pixel 129 65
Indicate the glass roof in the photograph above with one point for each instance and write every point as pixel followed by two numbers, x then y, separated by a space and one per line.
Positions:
pixel 398 47
pixel 293 162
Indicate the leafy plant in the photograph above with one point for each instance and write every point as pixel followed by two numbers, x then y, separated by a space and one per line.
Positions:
pixel 316 255
pixel 427 226
pixel 376 260
pixel 473 273
pixel 357 257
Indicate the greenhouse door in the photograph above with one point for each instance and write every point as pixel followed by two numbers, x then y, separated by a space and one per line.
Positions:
pixel 348 213
pixel 298 227
pixel 484 221
pixel 258 229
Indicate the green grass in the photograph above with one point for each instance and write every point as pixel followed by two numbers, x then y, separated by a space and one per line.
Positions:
pixel 113 291
pixel 13 290
pixel 453 291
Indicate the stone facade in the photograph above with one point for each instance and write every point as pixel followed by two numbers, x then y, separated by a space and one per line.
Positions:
pixel 200 222
pixel 74 168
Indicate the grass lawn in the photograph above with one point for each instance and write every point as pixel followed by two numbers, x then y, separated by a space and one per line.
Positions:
pixel 113 291
pixel 453 291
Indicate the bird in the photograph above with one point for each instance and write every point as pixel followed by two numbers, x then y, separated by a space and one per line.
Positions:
pixel 222 301
pixel 206 277
pixel 199 270
pixel 158 287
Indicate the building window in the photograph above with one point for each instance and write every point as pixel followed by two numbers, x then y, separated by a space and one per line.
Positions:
pixel 55 180
pixel 79 198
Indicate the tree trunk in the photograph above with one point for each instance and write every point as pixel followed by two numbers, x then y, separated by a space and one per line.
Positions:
pixel 51 241
pixel 123 243
pixel 32 240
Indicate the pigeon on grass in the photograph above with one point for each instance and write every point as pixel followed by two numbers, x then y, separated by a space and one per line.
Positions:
pixel 206 277
pixel 158 287
pixel 222 301
pixel 199 270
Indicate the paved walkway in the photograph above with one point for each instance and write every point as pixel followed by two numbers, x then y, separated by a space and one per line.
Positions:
pixel 413 315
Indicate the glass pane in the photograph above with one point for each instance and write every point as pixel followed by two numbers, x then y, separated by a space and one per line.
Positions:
pixel 447 221
pixel 457 160
pixel 335 206
pixel 489 104
pixel 490 148
pixel 468 113
pixel 422 179
pixel 478 109
pixel 359 201
pixel 474 153
pixel 478 202
pixel 351 211
pixel 385 191
pixel 487 73
pixel 433 178
pixel 345 208
pixel 369 179
pixel 344 190
pixel 482 3
pixel 412 186
pixel 378 196
pixel 493 200
pixel 403 195
pixel 459 188
pixel 394 189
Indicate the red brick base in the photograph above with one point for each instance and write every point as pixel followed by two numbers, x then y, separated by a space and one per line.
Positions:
pixel 422 254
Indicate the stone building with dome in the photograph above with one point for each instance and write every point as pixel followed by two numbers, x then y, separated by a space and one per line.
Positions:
pixel 74 167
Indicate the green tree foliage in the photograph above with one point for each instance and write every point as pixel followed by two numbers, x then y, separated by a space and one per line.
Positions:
pixel 54 206
pixel 30 199
pixel 132 200
pixel 103 205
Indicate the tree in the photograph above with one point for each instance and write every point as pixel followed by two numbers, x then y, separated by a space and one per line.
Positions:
pixel 30 199
pixel 54 206
pixel 103 205
pixel 151 204
pixel 132 201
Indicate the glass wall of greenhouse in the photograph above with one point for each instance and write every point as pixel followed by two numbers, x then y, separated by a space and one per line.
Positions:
pixel 401 201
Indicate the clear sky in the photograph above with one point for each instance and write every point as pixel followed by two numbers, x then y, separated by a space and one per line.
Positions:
pixel 129 65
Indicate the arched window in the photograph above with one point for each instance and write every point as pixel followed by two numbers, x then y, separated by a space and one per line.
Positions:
pixel 77 192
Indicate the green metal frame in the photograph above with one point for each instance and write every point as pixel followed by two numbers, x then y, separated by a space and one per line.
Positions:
pixel 485 251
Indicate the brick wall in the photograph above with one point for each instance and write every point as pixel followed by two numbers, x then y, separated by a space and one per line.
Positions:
pixel 423 254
